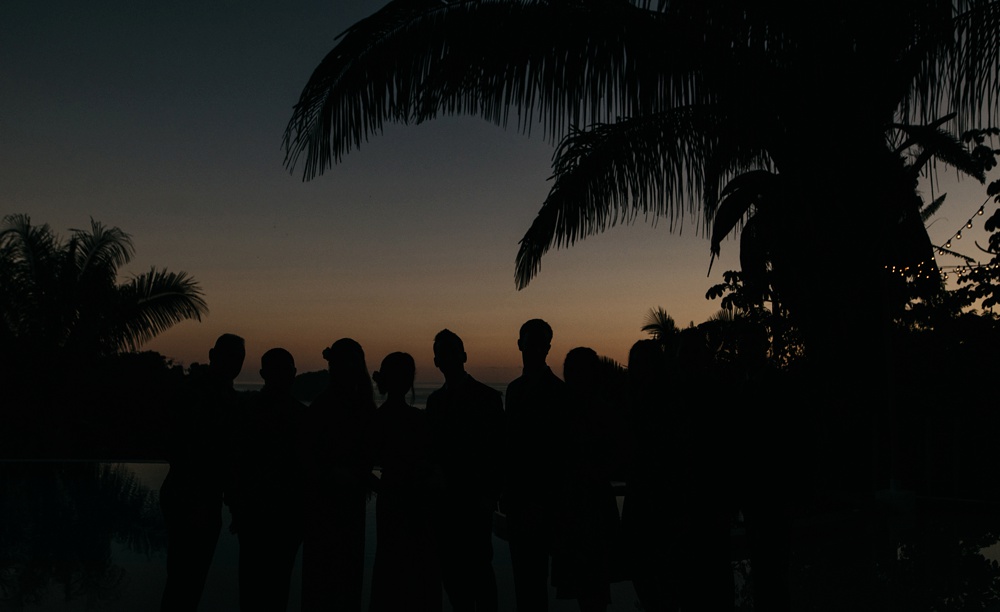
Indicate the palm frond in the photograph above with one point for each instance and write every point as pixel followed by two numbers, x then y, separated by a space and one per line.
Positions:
pixel 946 251
pixel 154 302
pixel 731 157
pixel 959 70
pixel 977 69
pixel 101 250
pixel 611 369
pixel 560 64
pixel 27 248
pixel 659 324
pixel 358 86
pixel 739 195
pixel 723 316
pixel 766 71
pixel 931 209
pixel 30 296
pixel 612 173
pixel 939 145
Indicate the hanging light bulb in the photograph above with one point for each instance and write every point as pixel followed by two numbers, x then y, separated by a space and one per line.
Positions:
pixel 980 211
pixel 969 225
pixel 958 236
pixel 948 245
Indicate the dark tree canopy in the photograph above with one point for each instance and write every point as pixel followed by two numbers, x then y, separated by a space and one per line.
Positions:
pixel 64 296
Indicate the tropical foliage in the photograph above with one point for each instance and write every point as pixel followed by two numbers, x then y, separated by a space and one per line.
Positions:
pixel 657 105
pixel 980 283
pixel 63 297
pixel 744 313
pixel 74 383
pixel 659 324
pixel 59 524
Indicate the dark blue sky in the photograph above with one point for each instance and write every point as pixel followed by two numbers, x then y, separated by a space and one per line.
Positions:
pixel 166 119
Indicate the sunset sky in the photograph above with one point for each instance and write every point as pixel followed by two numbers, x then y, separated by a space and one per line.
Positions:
pixel 165 119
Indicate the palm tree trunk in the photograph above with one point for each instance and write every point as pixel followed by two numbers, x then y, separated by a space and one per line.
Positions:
pixel 837 291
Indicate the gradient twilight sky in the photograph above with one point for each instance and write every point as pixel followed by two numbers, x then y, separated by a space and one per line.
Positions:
pixel 165 119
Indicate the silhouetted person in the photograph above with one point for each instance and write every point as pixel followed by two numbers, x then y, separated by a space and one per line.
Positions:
pixel 650 510
pixel 199 442
pixel 337 450
pixel 406 574
pixel 467 427
pixel 267 497
pixel 587 521
pixel 535 408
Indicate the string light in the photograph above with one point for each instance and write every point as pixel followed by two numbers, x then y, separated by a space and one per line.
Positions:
pixel 918 271
pixel 968 225
pixel 961 270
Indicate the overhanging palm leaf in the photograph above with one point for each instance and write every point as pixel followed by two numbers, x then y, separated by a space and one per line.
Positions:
pixel 967 70
pixel 562 64
pixel 937 144
pixel 357 87
pixel 612 173
pixel 780 70
pixel 931 209
pixel 740 194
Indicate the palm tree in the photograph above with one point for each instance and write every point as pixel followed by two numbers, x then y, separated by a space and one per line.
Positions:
pixel 657 105
pixel 659 324
pixel 61 297
pixel 704 92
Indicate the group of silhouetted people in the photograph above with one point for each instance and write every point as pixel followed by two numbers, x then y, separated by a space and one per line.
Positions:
pixel 546 457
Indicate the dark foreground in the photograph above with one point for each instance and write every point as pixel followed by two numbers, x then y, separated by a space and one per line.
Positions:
pixel 89 536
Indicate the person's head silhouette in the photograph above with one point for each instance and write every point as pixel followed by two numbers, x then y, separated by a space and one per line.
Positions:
pixel 449 353
pixel 225 359
pixel 534 342
pixel 395 376
pixel 277 368
pixel 348 369
pixel 582 368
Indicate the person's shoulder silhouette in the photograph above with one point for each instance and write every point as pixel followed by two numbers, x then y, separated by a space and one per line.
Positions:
pixel 200 476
